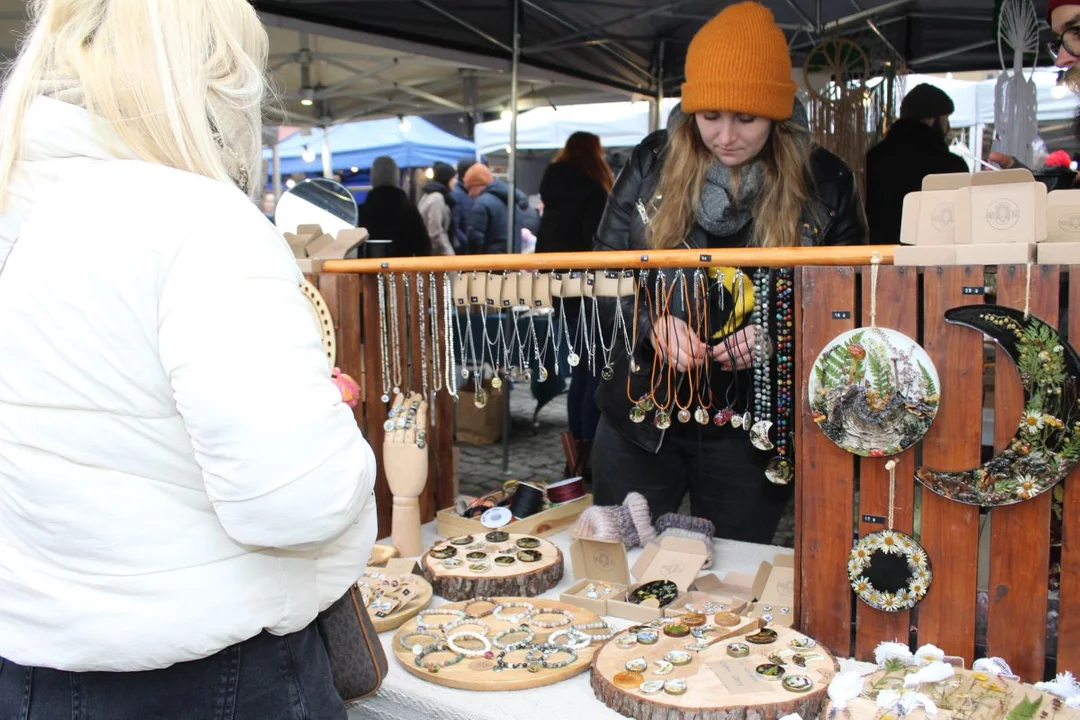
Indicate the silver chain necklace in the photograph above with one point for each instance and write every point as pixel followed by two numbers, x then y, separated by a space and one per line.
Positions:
pixel 395 336
pixel 421 319
pixel 383 341
pixel 448 346
pixel 436 356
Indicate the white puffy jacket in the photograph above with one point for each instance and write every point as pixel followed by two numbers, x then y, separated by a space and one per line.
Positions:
pixel 177 471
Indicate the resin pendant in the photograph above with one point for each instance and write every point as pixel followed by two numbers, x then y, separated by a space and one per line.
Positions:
pixel 662 419
pixel 747 420
pixel 385 398
pixel 527 375
pixel 759 435
pixel 779 471
pixel 388 426
pixel 736 421
pixel 701 415
pixel 496 382
pixel 634 367
pixel 608 372
pixel 573 359
pixel 683 415
pixel 543 374
pixel 396 390
pixel 464 373
pixel 646 403
pixel 400 422
pixel 637 414
pixel 480 400
pixel 723 417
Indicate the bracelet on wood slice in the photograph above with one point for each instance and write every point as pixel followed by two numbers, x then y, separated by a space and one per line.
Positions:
pixel 567 618
pixel 440 664
pixel 452 643
pixel 423 615
pixel 523 630
pixel 467 608
pixel 518 617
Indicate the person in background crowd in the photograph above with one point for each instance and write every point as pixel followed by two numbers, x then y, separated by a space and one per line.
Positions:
pixel 915 146
pixel 437 207
pixel 737 170
pixel 462 207
pixel 388 214
pixel 488 217
pixel 574 191
pixel 182 488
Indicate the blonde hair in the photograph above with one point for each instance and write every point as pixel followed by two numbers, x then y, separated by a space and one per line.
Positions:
pixel 179 82
pixel 778 207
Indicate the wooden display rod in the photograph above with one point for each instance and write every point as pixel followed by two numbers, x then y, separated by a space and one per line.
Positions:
pixel 624 259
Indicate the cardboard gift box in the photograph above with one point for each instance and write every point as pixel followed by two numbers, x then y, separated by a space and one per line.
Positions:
pixel 597 561
pixel 774 591
pixel 668 558
pixel 542 524
pixel 735 591
pixel 929 216
pixel 1007 206
pixel 479 426
pixel 311 246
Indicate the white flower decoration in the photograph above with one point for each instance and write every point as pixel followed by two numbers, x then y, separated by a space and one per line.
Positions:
pixel 929 653
pixel 893 651
pixel 844 688
pixel 933 673
pixel 1031 421
pixel 992 666
pixel 1064 686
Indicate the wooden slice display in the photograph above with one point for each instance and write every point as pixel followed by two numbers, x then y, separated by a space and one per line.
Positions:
pixel 968 694
pixel 478 673
pixel 406 606
pixel 323 320
pixel 718 685
pixel 460 577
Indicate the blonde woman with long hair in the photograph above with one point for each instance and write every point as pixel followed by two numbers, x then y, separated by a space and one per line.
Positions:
pixel 182 489
pixel 735 168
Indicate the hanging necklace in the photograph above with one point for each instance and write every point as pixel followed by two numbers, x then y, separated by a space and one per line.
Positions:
pixel 607 372
pixel 421 319
pixel 384 351
pixel 521 341
pixel 448 361
pixel 780 469
pixel 759 430
pixel 731 393
pixel 488 347
pixel 464 339
pixel 662 416
pixel 638 406
pixel 572 358
pixel 395 335
pixel 408 367
pixel 436 356
pixel 541 355
pixel 684 415
pixel 701 308
pixel 480 399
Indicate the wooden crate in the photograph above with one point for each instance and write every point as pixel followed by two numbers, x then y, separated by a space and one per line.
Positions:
pixel 542 524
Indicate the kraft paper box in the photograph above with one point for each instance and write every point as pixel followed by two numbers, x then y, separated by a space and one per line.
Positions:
pixel 929 215
pixel 935 255
pixel 998 254
pixel 1059 253
pixel 593 561
pixel 669 558
pixel 1006 206
pixel 777 596
pixel 1063 216
pixel 735 591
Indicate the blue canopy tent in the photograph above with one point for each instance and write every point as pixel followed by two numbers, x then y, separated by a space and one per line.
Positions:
pixel 358 144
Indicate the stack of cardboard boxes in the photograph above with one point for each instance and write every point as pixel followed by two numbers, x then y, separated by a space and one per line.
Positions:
pixel 310 245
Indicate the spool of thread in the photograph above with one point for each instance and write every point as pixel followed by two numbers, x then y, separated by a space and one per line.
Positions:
pixel 528 500
pixel 566 491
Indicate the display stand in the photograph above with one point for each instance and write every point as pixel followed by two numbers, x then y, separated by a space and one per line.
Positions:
pixel 526 579
pixel 707 697
pixel 419 600
pixel 478 673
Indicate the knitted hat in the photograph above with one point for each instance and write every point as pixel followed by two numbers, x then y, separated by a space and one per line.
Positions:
pixel 701 526
pixel 443 173
pixel 384 172
pixel 478 176
pixel 926 101
pixel 629 523
pixel 739 62
pixel 1053 5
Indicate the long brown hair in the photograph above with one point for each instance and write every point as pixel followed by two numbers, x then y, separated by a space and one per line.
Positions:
pixel 583 151
pixel 777 208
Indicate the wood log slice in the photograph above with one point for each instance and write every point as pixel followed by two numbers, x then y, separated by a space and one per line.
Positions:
pixel 419 598
pixel 968 694
pixel 707 696
pixel 477 673
pixel 519 579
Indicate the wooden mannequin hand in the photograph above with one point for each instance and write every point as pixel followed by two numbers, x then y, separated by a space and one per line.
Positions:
pixel 405 454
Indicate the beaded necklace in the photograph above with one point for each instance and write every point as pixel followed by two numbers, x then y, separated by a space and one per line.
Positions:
pixel 759 431
pixel 780 469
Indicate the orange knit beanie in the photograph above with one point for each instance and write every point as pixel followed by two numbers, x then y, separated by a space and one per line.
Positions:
pixel 739 62
pixel 478 176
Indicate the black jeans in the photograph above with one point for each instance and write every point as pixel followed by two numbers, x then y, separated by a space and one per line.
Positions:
pixel 264 678
pixel 724 473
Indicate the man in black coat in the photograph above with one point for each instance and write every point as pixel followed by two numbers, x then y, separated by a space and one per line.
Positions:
pixel 915 147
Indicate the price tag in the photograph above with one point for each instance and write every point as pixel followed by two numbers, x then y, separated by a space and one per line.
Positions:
pixel 873 519
pixel 841 315
pixel 974 290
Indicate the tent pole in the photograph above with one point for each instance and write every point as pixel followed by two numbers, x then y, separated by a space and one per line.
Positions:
pixel 327 158
pixel 511 203
pixel 657 120
pixel 276 170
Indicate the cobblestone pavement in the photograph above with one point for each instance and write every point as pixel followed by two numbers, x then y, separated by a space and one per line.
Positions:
pixel 536 454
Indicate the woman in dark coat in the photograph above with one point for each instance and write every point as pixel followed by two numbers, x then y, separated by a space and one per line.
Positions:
pixel 574 191
pixel 388 214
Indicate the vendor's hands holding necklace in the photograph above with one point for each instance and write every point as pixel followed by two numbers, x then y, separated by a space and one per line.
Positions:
pixel 677 344
pixel 736 352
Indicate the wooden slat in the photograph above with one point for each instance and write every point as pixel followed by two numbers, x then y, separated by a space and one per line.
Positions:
pixel 1068 645
pixel 950 530
pixel 825 501
pixel 897 298
pixel 1019 535
pixel 374 409
pixel 342 296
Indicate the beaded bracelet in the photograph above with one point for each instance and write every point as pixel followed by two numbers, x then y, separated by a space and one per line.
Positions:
pixel 441 647
pixel 599 625
pixel 529 636
pixel 528 607
pixel 417 648
pixel 462 622
pixel 424 614
pixel 576 639
pixel 451 642
pixel 474 601
pixel 529 664
pixel 545 651
pixel 567 618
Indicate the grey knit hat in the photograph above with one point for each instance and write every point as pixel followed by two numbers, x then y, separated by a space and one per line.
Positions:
pixel 385 172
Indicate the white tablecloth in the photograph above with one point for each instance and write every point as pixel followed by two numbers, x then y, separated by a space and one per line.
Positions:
pixel 406 697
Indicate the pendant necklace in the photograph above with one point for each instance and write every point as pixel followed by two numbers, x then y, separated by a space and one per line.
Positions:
pixel 572 358
pixel 395 336
pixel 448 360
pixel 436 355
pixel 481 398
pixel 540 355
pixel 522 342
pixel 700 300
pixel 606 350
pixel 683 414
pixel 384 351
pixel 421 320
pixel 408 366
pixel 780 470
pixel 759 431
pixel 488 348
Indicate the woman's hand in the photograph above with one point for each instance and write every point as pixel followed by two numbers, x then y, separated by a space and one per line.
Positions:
pixel 678 346
pixel 1002 160
pixel 740 356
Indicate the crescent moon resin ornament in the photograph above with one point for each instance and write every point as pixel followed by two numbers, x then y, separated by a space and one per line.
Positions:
pixel 1046 445
pixel 874 391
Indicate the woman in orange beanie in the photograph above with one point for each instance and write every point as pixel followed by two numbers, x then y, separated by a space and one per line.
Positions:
pixel 735 168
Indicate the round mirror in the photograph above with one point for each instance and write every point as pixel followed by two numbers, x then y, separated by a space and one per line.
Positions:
pixel 317 201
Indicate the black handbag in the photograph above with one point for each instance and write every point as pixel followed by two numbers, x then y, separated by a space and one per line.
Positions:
pixel 357 661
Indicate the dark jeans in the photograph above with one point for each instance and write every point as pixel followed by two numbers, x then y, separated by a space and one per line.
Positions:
pixel 724 474
pixel 264 678
pixel 581 410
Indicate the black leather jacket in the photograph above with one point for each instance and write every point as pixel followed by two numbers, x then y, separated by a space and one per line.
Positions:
pixel 835 216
